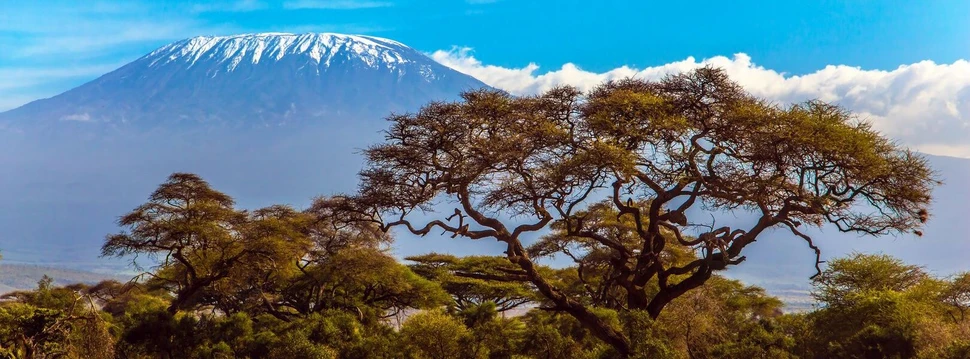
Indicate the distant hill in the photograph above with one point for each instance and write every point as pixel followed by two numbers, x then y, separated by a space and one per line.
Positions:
pixel 15 277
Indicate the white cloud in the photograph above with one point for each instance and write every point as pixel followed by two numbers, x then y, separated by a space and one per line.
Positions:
pixel 924 105
pixel 335 4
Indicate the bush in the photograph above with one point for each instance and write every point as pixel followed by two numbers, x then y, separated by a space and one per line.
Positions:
pixel 433 335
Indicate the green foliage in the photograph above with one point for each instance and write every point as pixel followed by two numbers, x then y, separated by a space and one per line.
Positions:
pixel 365 281
pixel 863 273
pixel 647 336
pixel 556 335
pixel 434 335
pixel 53 322
pixel 192 229
pixel 473 281
pixel 878 306
pixel 957 295
pixel 299 347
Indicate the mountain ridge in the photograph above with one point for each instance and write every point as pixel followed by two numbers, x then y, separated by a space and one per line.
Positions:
pixel 321 47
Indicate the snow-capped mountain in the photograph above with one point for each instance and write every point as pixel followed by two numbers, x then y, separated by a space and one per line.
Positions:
pixel 268 118
pixel 253 81
pixel 226 53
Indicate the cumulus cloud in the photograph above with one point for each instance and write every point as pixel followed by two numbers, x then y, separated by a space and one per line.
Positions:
pixel 924 105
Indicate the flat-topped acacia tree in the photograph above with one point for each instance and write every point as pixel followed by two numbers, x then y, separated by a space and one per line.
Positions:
pixel 512 165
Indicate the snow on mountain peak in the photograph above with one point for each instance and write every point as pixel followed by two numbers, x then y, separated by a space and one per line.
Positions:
pixel 322 48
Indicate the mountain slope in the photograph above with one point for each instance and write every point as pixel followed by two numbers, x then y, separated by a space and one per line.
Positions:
pixel 252 81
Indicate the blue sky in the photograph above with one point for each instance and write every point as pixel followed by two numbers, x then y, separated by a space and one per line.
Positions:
pixel 49 46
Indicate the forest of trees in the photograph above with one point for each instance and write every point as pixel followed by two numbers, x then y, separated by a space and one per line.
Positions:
pixel 611 181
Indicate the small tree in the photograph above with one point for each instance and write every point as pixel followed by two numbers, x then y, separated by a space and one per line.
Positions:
pixel 348 268
pixel 474 281
pixel 434 335
pixel 861 274
pixel 515 165
pixel 877 306
pixel 364 281
pixel 197 237
pixel 53 322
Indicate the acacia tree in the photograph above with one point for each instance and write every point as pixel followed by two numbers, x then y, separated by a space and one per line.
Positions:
pixel 860 274
pixel 346 267
pixel 513 165
pixel 878 306
pixel 276 238
pixel 474 281
pixel 198 238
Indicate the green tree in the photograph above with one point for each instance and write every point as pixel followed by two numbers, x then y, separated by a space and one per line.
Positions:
pixel 659 148
pixel 433 335
pixel 474 281
pixel 860 273
pixel 191 230
pixel 276 238
pixel 725 319
pixel 879 306
pixel 364 281
pixel 555 335
pixel 51 322
pixel 317 260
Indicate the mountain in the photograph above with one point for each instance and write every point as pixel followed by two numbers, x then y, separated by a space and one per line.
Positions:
pixel 252 81
pixel 267 118
pixel 15 277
